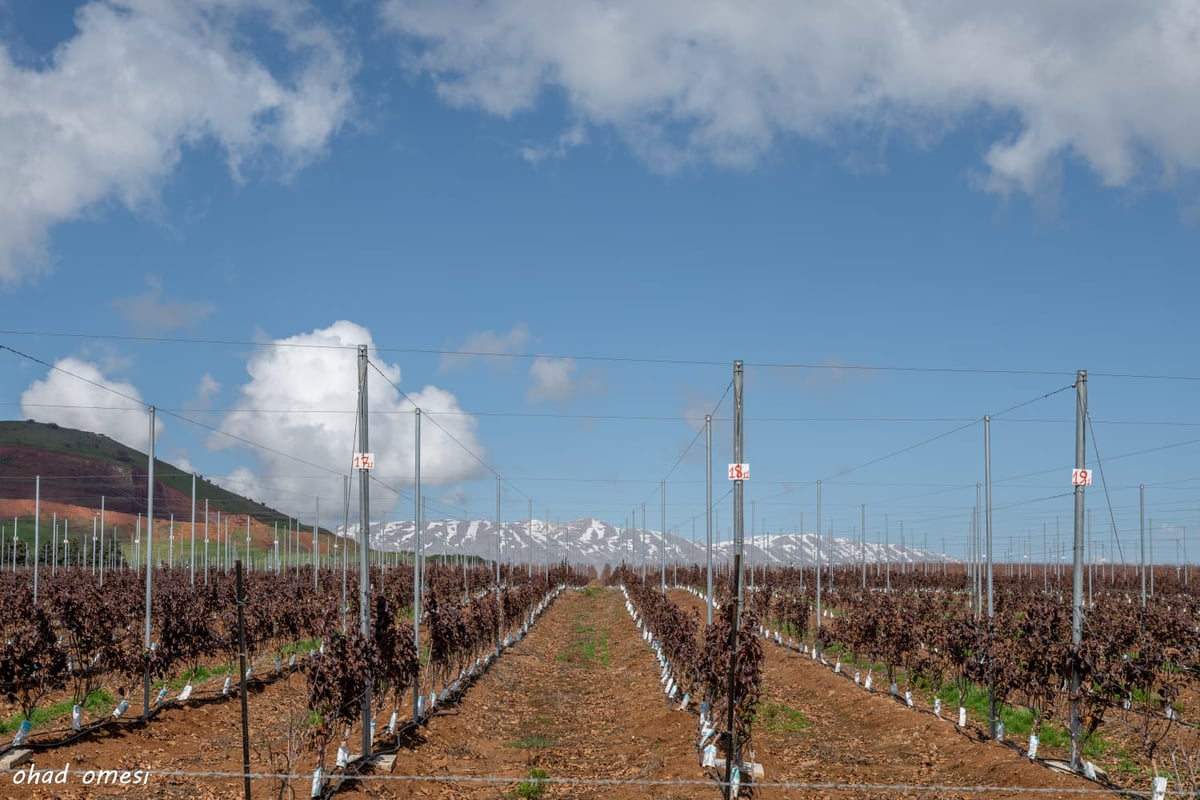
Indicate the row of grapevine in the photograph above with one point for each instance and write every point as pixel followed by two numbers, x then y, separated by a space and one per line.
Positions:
pixel 1138 667
pixel 698 659
pixel 81 639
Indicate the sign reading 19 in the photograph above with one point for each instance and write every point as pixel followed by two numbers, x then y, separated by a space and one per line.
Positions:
pixel 739 472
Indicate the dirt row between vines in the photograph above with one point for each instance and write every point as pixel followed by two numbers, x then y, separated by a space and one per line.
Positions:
pixel 577 698
pixel 816 727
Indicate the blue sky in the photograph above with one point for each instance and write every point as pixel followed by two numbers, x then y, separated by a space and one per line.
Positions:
pixel 617 200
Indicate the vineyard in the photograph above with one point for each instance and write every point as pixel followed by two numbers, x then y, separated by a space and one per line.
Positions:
pixel 539 661
pixel 516 689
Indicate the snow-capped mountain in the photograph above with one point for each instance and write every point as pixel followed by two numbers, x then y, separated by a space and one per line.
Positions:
pixel 594 542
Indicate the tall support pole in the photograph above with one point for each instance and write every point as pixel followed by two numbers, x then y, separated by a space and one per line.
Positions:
pixel 708 519
pixel 1150 554
pixel 192 557
pixel 1142 534
pixel 205 541
pixel 1091 558
pixel 149 564
pixel 733 756
pixel 753 531
pixel 315 546
pixel 887 554
pixel 979 556
pixel 817 643
pixel 101 540
pixel 364 527
pixel 241 624
pixel 987 524
pixel 418 578
pixel 831 541
pixel 499 605
pixel 37 540
pixel 1077 574
pixel 662 548
pixel 345 543
pixel 645 543
pixel 862 551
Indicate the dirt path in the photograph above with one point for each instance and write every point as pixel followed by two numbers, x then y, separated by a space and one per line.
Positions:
pixel 816 727
pixel 578 697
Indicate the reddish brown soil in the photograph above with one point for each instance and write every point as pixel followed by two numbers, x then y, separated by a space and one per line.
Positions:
pixel 579 698
pixel 862 738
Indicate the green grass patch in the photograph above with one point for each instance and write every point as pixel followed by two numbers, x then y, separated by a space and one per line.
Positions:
pixel 786 629
pixel 99 703
pixel 300 648
pixel 533 788
pixel 592 591
pixel 193 676
pixel 589 647
pixel 781 718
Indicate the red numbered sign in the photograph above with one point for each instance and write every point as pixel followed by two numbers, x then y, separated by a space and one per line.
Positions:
pixel 739 472
pixel 364 461
pixel 1081 477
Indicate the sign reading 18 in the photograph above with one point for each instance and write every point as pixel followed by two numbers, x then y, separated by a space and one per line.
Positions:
pixel 739 472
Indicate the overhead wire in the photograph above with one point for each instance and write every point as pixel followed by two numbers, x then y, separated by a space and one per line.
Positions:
pixel 593 357
pixel 432 416
pixel 1104 483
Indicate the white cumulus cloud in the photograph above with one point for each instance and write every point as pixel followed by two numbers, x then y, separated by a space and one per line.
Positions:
pixel 208 388
pixel 109 115
pixel 489 345
pixel 76 394
pixel 1111 83
pixel 553 379
pixel 150 311
pixel 300 400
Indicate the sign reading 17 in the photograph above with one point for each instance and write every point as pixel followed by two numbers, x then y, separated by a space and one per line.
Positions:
pixel 739 472
pixel 364 461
